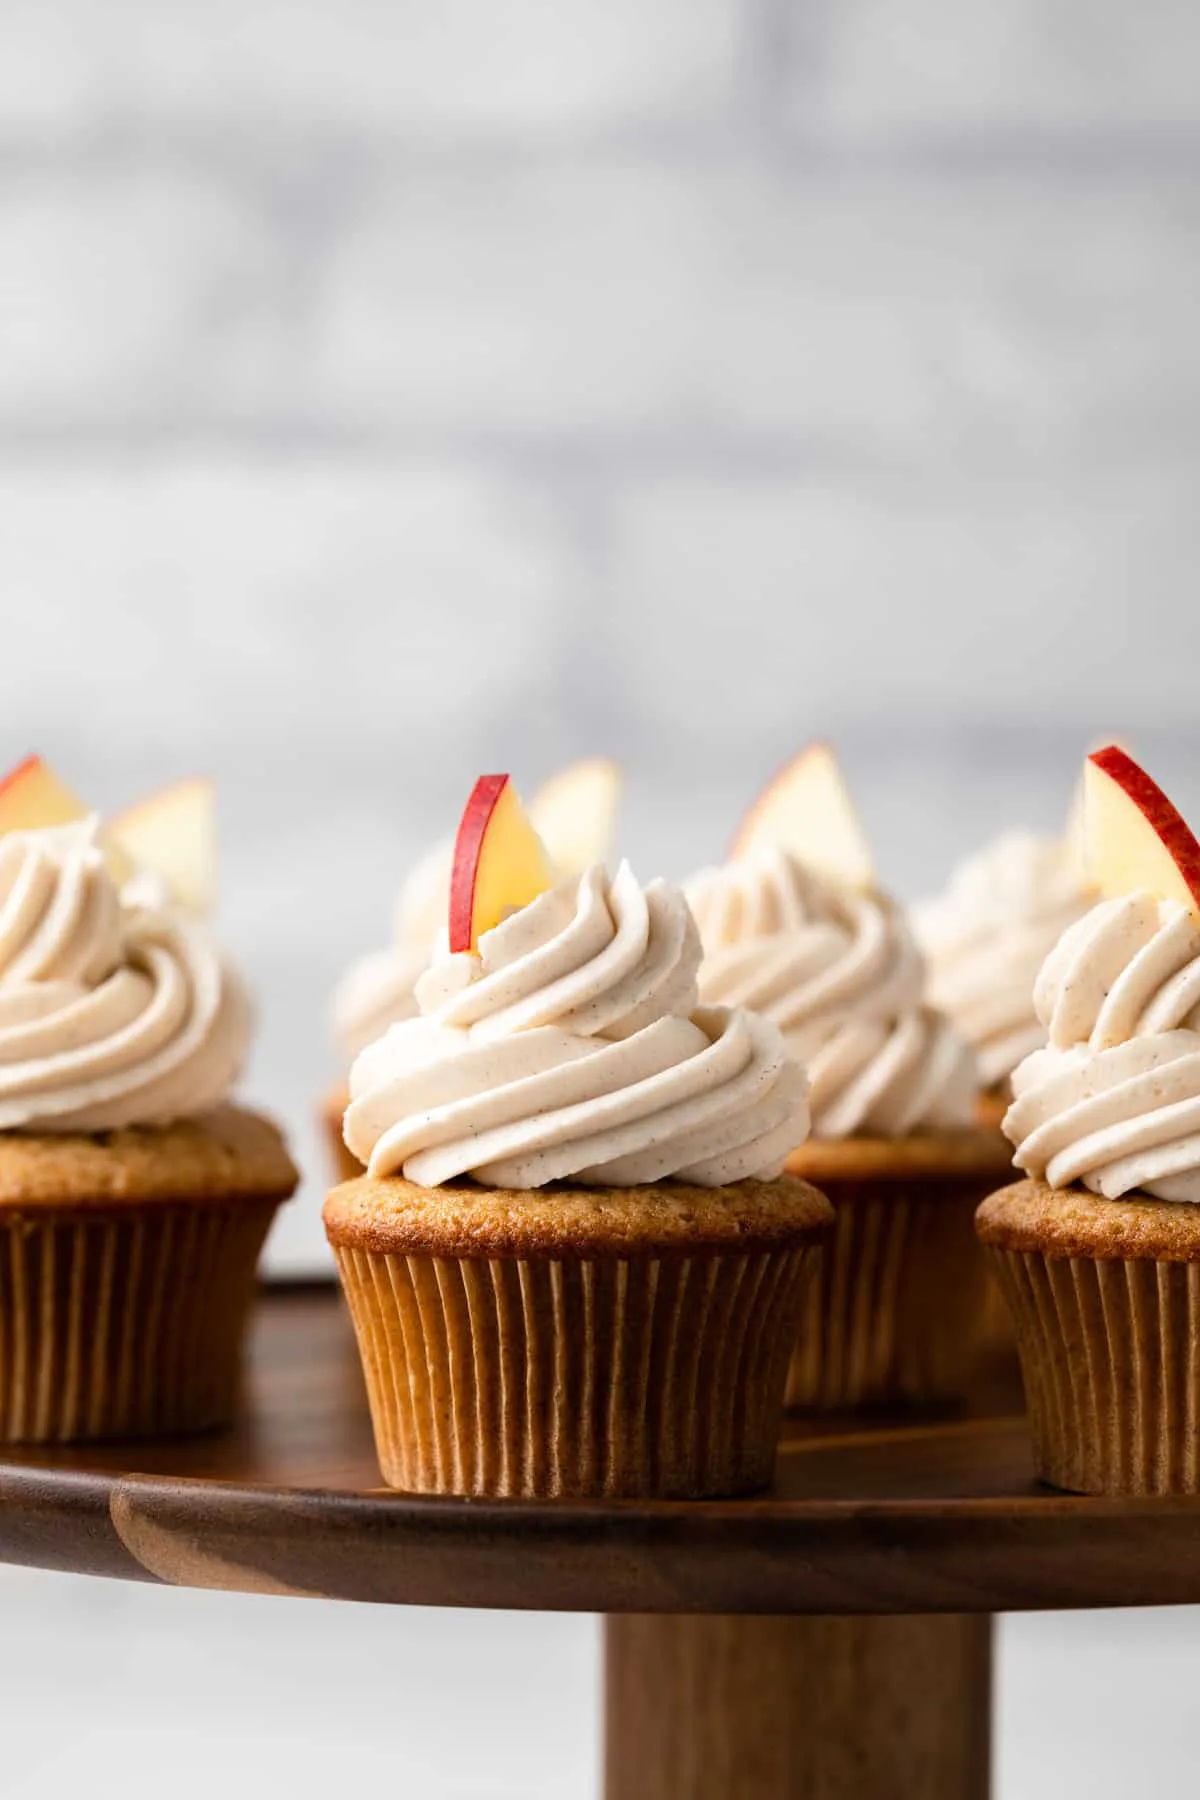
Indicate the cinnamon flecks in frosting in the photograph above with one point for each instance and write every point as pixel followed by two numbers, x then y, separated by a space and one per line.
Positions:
pixel 840 974
pixel 987 936
pixel 110 1015
pixel 1113 1101
pixel 572 1047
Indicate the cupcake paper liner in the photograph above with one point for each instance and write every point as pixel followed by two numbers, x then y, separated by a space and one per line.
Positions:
pixel 897 1311
pixel 125 1323
pixel 543 1377
pixel 997 1337
pixel 1110 1354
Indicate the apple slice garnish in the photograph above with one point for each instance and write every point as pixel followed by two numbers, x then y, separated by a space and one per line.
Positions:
pixel 34 798
pixel 173 834
pixel 575 813
pixel 1133 837
pixel 500 863
pixel 1075 836
pixel 807 810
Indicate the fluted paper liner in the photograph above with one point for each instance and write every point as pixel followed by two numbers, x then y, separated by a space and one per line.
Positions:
pixel 126 1323
pixel 896 1311
pixel 997 1338
pixel 546 1377
pixel 1110 1354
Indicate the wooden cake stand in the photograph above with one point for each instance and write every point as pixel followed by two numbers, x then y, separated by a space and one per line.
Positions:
pixel 827 1640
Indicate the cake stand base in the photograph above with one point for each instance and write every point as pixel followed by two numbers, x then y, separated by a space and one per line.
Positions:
pixel 715 1708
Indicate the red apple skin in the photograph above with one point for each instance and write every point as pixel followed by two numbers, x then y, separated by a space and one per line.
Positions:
pixel 471 832
pixel 18 774
pixel 1164 818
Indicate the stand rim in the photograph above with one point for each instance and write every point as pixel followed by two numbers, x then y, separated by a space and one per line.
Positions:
pixel 900 1517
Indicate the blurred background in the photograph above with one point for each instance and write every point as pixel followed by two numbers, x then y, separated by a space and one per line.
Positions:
pixel 389 391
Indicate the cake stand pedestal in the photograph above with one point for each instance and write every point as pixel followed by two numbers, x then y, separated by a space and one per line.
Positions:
pixel 798 1709
pixel 827 1640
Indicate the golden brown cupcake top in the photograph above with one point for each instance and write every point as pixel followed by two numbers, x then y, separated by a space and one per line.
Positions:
pixel 390 1215
pixel 226 1155
pixel 1059 1222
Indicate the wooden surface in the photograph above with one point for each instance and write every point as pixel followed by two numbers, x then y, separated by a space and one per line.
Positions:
pixel 797 1709
pixel 923 1515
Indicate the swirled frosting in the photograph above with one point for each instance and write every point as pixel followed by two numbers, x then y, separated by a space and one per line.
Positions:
pixel 380 988
pixel 110 1015
pixel 572 1046
pixel 987 936
pixel 1113 1101
pixel 839 972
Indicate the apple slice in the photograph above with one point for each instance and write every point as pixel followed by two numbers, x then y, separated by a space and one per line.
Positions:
pixel 575 813
pixel 1134 838
pixel 807 810
pixel 173 833
pixel 500 862
pixel 1075 836
pixel 34 798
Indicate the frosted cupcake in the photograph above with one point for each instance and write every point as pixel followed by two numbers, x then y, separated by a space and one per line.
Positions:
pixel 574 1263
pixel 575 814
pixel 832 962
pixel 1096 1250
pixel 134 1198
pixel 986 938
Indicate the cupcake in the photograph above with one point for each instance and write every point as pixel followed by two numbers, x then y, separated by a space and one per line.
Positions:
pixel 134 1199
pixel 574 1263
pixel 985 939
pixel 831 960
pixel 1095 1250
pixel 575 814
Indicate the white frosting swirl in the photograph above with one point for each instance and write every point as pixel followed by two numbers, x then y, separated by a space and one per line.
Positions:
pixel 987 936
pixel 840 974
pixel 571 1047
pixel 380 988
pixel 376 991
pixel 109 1016
pixel 1113 1100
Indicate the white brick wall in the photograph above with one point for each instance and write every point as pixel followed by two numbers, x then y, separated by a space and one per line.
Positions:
pixel 133 291
pixel 1013 313
pixel 350 605
pixel 390 66
pixel 998 603
pixel 1050 66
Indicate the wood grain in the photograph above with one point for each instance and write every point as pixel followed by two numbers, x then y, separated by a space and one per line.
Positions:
pixel 797 1709
pixel 891 1515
